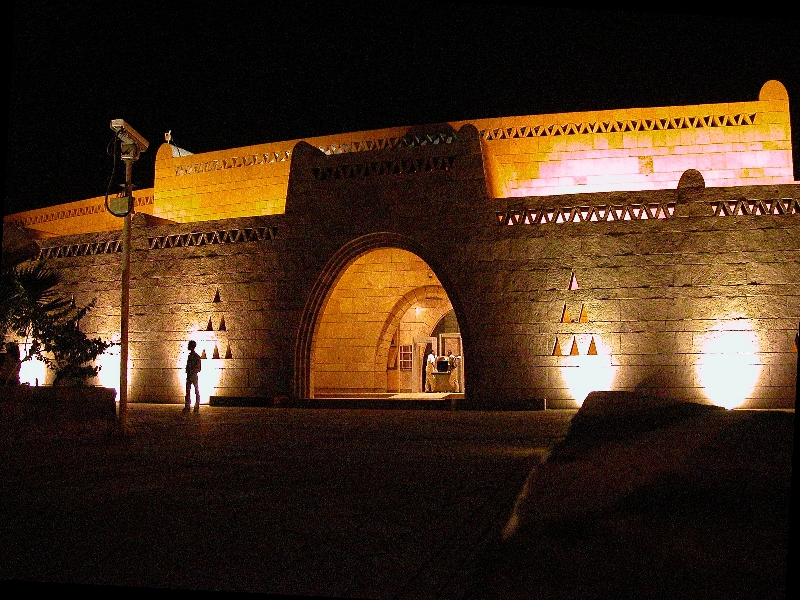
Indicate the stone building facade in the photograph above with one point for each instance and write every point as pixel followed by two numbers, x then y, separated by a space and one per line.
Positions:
pixel 652 249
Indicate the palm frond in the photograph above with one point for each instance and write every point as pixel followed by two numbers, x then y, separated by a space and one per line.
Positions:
pixel 38 281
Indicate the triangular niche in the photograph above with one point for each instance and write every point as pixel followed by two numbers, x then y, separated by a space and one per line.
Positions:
pixel 584 318
pixel 573 282
pixel 565 318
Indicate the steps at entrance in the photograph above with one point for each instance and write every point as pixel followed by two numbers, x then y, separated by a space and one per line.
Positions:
pixel 421 401
pixel 407 401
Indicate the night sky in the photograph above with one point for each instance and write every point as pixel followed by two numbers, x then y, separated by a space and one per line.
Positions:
pixel 222 75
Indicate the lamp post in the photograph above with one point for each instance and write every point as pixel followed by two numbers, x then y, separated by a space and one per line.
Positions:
pixel 131 145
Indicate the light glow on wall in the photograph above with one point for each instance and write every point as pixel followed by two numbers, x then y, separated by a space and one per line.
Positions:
pixel 32 372
pixel 208 379
pixel 730 365
pixel 211 372
pixel 586 373
pixel 108 376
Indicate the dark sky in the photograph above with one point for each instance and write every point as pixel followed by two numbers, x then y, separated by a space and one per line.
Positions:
pixel 227 74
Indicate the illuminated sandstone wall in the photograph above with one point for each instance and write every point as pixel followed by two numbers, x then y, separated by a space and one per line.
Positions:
pixel 384 294
pixel 240 182
pixel 736 143
pixel 216 285
pixel 648 292
pixel 682 305
pixel 674 290
pixel 83 216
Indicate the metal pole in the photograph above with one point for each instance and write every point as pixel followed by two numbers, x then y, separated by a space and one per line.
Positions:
pixel 131 145
pixel 125 304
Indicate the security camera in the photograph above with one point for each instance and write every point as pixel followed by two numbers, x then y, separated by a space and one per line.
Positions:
pixel 128 135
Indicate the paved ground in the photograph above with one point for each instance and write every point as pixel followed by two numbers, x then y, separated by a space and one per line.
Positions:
pixel 341 503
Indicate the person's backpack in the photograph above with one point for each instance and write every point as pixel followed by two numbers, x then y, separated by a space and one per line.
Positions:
pixel 196 365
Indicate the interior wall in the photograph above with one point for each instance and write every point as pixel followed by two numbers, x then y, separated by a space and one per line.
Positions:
pixel 383 296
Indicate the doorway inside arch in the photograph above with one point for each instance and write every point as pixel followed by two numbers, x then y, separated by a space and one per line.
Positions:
pixel 383 318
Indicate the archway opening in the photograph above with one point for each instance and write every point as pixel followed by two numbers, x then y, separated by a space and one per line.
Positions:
pixel 386 313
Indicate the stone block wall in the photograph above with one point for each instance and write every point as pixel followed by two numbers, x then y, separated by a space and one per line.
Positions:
pixel 384 296
pixel 242 182
pixel 731 144
pixel 652 279
pixel 218 285
pixel 83 216
pixel 736 143
pixel 554 295
pixel 652 295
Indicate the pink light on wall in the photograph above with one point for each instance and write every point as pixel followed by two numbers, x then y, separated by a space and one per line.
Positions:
pixel 731 144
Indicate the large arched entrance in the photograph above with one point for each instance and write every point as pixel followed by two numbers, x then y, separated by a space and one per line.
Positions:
pixel 381 318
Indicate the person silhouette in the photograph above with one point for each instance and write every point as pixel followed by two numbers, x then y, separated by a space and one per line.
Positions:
pixel 452 361
pixel 430 367
pixel 193 367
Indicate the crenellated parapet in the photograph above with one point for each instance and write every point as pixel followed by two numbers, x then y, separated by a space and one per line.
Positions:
pixel 83 216
pixel 736 143
pixel 728 144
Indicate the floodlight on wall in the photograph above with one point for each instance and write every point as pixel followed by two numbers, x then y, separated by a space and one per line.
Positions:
pixel 211 374
pixel 729 364
pixel 587 371
pixel 109 364
pixel 33 372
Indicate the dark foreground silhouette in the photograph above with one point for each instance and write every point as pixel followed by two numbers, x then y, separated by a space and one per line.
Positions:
pixel 647 498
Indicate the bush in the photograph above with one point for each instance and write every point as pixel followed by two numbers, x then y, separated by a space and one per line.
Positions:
pixel 50 324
